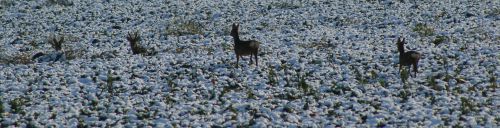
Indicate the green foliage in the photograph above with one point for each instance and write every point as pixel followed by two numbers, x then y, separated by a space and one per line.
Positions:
pixel 423 29
pixel 110 80
pixel 17 104
pixel 404 95
pixel 439 40
pixel 283 5
pixel 287 108
pixel 440 15
pixel 383 82
pixel 303 84
pixel 493 12
pixel 404 74
pixel 56 42
pixel 213 94
pixel 466 105
pixel 493 83
pixel 21 58
pixel 381 124
pixel 431 80
pixel 250 95
pixel 81 124
pixel 178 27
pixel 272 77
pixel 7 3
pixel 73 54
pixel 359 77
pixel 1 107
pixel 339 89
pixel 60 2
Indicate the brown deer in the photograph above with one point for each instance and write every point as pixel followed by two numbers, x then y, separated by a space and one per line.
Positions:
pixel 134 39
pixel 244 48
pixel 407 58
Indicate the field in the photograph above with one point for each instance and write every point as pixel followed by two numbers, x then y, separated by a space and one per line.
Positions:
pixel 322 63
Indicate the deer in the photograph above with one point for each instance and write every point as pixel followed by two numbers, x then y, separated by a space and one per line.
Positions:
pixel 409 58
pixel 244 48
pixel 133 40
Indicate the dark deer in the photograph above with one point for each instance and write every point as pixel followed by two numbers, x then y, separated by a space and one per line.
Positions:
pixel 244 48
pixel 407 58
pixel 134 39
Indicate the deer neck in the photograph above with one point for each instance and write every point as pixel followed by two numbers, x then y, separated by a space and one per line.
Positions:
pixel 401 50
pixel 236 39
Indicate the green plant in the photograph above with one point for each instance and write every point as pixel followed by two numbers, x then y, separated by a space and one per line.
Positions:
pixel 21 58
pixel 383 82
pixel 458 125
pixel 272 78
pixel 110 80
pixel 94 103
pixel 339 89
pixel 493 12
pixel 73 54
pixel 404 95
pixel 466 105
pixel 493 83
pixel 212 94
pixel 81 123
pixel 181 28
pixel 306 105
pixel 167 99
pixel 287 108
pixel 432 98
pixel 381 124
pixel 439 40
pixel 56 42
pixel 7 3
pixel 302 83
pixel 1 107
pixel 404 74
pixel 60 2
pixel 283 5
pixel 423 29
pixel 250 95
pixel 359 77
pixel 440 15
pixel 17 104
pixel 143 114
pixel 431 80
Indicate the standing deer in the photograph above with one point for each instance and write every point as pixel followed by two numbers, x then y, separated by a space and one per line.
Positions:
pixel 407 58
pixel 244 48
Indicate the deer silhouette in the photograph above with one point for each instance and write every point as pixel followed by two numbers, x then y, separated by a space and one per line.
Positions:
pixel 244 48
pixel 407 58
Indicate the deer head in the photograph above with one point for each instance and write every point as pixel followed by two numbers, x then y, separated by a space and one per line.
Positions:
pixel 400 44
pixel 234 30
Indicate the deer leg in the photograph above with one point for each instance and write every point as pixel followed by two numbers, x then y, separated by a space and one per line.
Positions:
pixel 251 61
pixel 415 68
pixel 237 59
pixel 399 69
pixel 256 60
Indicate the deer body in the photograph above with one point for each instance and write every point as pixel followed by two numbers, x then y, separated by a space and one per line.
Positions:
pixel 409 58
pixel 244 48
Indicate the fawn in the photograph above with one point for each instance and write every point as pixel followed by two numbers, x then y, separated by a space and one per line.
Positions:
pixel 244 48
pixel 407 58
